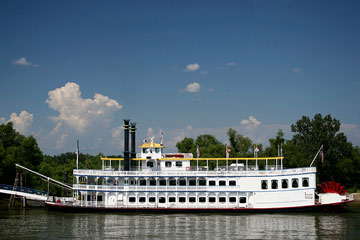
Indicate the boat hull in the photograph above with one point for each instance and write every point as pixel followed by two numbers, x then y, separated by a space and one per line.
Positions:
pixel 334 207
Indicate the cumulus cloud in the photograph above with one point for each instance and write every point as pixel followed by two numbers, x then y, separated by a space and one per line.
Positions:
pixel 297 70
pixel 24 62
pixel 116 132
pixel 21 122
pixel 193 87
pixel 231 64
pixel 192 67
pixel 251 123
pixel 77 112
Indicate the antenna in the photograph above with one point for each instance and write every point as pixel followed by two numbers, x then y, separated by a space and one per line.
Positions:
pixel 162 138
pixel 77 154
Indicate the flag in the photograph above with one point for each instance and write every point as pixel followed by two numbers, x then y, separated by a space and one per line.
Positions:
pixel 256 149
pixel 197 151
pixel 228 151
pixel 322 154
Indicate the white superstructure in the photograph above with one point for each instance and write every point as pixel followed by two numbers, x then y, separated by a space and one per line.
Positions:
pixel 169 181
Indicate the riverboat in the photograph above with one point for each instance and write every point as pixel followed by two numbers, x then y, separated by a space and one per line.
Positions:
pixel 153 181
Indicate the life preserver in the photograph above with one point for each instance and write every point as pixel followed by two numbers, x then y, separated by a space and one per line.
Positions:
pixel 187 168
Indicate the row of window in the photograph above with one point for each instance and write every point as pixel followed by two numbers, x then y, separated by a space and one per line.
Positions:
pixel 180 182
pixel 189 199
pixel 285 183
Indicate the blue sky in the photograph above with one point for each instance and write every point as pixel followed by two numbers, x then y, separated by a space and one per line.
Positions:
pixel 74 69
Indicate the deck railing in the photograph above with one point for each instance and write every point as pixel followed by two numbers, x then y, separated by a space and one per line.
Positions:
pixel 105 173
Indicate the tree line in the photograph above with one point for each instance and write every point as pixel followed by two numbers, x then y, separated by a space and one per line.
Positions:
pixel 341 159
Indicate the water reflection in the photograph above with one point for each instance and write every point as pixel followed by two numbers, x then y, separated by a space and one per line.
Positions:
pixel 52 225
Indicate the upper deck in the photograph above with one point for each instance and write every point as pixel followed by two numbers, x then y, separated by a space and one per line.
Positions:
pixel 216 173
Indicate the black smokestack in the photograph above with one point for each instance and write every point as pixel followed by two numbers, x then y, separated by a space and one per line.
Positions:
pixel 126 145
pixel 133 147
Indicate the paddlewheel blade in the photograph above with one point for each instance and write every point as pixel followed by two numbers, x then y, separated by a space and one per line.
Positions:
pixel 332 187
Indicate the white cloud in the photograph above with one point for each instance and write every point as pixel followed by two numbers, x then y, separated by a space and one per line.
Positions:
pixel 231 64
pixel 21 122
pixel 352 132
pixel 116 132
pixel 297 70
pixel 77 112
pixel 150 132
pixel 252 122
pixel 193 87
pixel 192 67
pixel 24 62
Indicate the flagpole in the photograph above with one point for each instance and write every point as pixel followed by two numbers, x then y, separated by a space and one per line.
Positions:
pixel 316 155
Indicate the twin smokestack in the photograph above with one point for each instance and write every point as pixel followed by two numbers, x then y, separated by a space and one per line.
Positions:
pixel 128 164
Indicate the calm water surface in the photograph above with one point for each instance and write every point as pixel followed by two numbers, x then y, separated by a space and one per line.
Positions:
pixel 43 224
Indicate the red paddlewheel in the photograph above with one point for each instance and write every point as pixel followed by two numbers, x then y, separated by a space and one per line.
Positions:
pixel 332 187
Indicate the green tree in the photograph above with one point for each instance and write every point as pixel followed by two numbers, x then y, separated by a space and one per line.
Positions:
pixel 186 145
pixel 240 145
pixel 16 148
pixel 310 134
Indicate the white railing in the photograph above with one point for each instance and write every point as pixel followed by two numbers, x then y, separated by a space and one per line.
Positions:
pixel 102 173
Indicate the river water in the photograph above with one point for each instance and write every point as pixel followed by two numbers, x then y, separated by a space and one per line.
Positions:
pixel 42 224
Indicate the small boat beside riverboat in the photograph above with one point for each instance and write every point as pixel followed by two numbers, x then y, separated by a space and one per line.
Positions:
pixel 153 181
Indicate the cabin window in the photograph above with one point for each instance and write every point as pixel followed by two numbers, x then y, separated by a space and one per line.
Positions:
pixel 172 199
pixel 162 200
pixel 167 164
pixel 157 150
pixel 211 183
pixel 150 164
pixel 202 199
pixel 132 199
pixel 242 199
pixel 295 182
pixel 182 182
pixel 222 199
pixel 151 199
pixel 264 184
pixel 142 182
pixel 202 182
pixel 132 182
pixel 182 199
pixel 192 199
pixel 305 182
pixel 178 163
pixel 232 199
pixel 172 182
pixel 274 184
pixel 212 199
pixel 152 182
pixel 284 183
pixel 99 198
pixel 222 183
pixel 192 182
pixel 232 183
pixel 144 150
pixel 162 182
pixel 142 199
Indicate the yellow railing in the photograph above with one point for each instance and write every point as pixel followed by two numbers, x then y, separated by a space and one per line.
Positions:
pixel 195 159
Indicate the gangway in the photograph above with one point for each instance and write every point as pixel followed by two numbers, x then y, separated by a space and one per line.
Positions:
pixel 28 193
pixel 48 179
